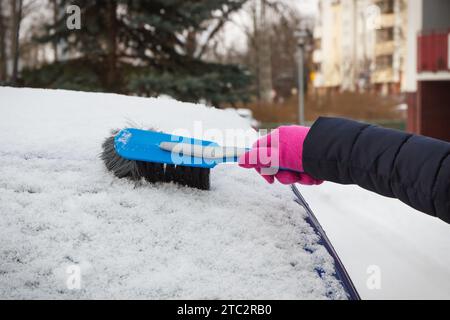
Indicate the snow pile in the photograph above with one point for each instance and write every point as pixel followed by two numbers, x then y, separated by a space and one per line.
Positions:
pixel 60 208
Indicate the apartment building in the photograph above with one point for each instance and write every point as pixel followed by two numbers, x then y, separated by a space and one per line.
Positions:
pixel 427 77
pixel 360 45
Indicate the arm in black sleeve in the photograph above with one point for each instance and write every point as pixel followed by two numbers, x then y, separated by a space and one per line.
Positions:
pixel 414 169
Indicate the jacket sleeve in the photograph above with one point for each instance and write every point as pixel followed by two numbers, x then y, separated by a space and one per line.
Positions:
pixel 414 169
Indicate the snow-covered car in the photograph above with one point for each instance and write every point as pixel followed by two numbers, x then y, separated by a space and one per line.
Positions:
pixel 62 211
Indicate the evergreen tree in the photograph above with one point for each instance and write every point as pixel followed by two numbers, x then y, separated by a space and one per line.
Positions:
pixel 142 47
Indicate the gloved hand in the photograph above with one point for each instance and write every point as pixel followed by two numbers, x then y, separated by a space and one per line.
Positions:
pixel 282 148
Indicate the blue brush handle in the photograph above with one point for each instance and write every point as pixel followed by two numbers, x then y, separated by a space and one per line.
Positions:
pixel 145 145
pixel 236 159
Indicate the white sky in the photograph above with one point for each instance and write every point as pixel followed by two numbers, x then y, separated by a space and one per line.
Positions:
pixel 233 32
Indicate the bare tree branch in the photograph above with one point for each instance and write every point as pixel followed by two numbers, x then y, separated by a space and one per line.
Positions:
pixel 221 22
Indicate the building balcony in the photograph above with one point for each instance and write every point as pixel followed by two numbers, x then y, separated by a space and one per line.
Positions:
pixel 387 20
pixel 385 75
pixel 433 52
pixel 385 48
pixel 386 6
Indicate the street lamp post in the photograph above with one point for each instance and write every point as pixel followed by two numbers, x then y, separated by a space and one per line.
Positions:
pixel 301 35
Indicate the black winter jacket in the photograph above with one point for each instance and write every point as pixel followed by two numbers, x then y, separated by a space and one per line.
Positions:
pixel 414 169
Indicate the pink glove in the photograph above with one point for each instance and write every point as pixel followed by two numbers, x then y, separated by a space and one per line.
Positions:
pixel 282 149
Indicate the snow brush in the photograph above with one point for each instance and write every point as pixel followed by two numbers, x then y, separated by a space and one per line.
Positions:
pixel 161 157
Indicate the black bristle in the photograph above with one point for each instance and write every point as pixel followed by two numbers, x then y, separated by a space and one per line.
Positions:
pixel 204 175
pixel 180 175
pixel 198 178
pixel 170 173
pixel 152 172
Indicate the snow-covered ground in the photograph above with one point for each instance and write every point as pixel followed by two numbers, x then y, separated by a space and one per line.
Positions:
pixel 377 236
pixel 60 208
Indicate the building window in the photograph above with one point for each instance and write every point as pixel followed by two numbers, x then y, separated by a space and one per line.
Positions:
pixel 384 62
pixel 386 6
pixel 384 35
